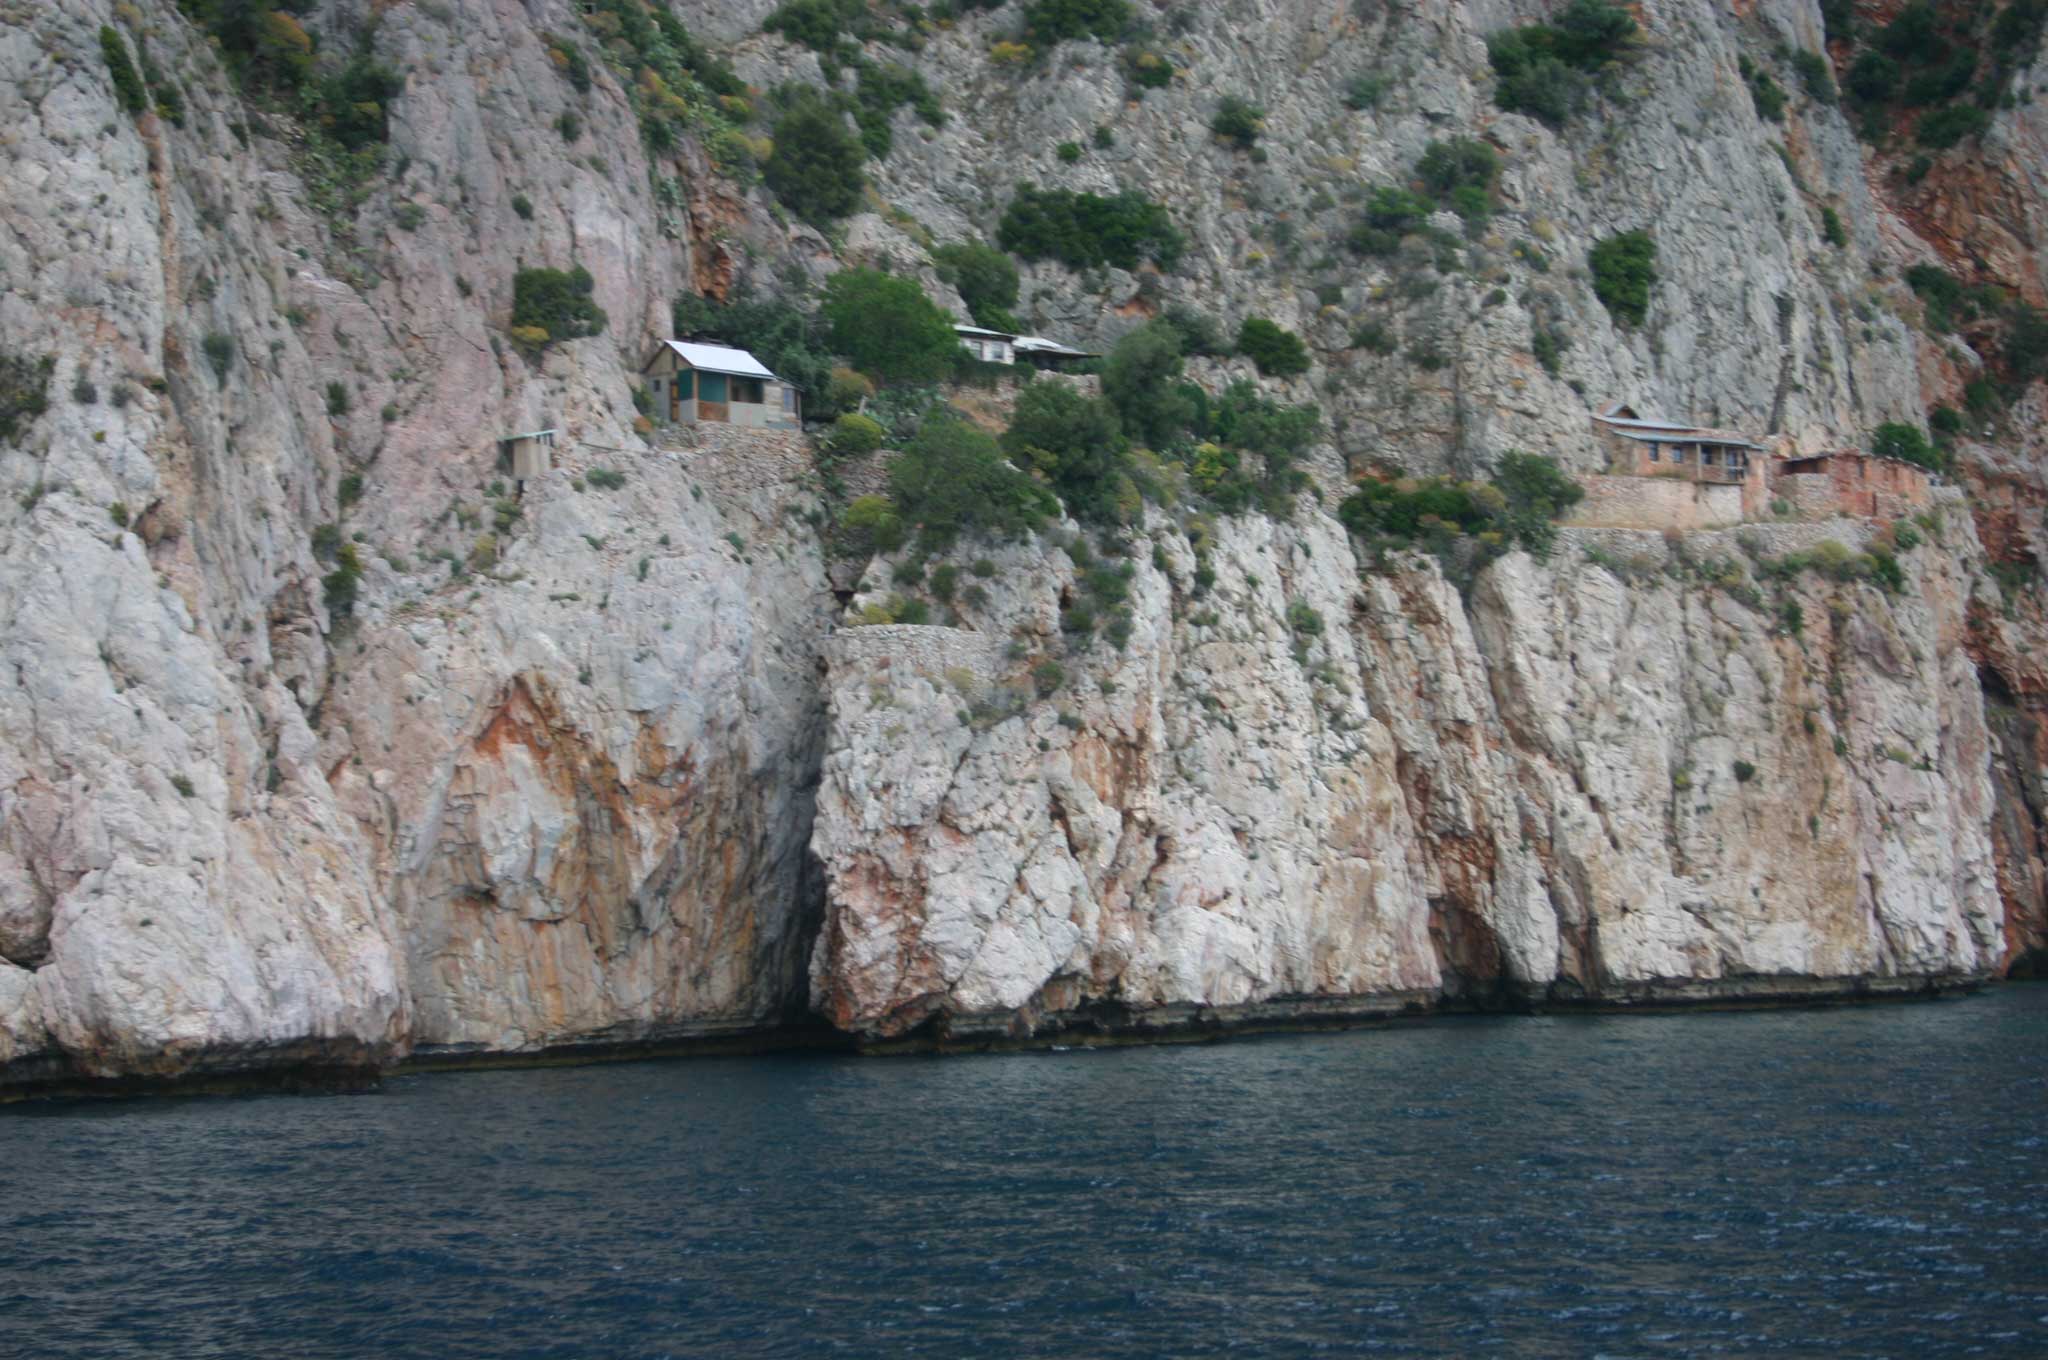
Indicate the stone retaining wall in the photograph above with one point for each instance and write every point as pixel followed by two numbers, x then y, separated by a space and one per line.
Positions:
pixel 1656 503
pixel 915 649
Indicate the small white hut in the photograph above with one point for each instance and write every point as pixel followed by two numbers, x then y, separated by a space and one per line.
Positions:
pixel 693 382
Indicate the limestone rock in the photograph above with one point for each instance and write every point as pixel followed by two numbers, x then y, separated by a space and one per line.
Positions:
pixel 1298 786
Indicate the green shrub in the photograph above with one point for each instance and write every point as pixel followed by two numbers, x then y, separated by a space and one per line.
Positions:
pixel 128 87
pixel 951 481
pixel 1198 331
pixel 1896 439
pixel 523 205
pixel 1047 22
pixel 1303 619
pixel 986 278
pixel 1374 338
pixel 354 104
pixel 1982 399
pixel 1364 92
pixel 887 327
pixel 1076 444
pixel 853 434
pixel 1548 344
pixel 262 46
pixel 1945 420
pixel 1591 33
pixel 337 399
pixel 1873 77
pixel 1276 352
pixel 1951 124
pixel 1047 677
pixel 1831 228
pixel 1534 82
pixel 1764 92
pixel 883 90
pixel 1237 122
pixel 1244 422
pixel 815 167
pixel 1460 162
pixel 1390 214
pixel 1744 771
pixel 1145 68
pixel 1913 31
pixel 24 390
pixel 339 586
pixel 1947 300
pixel 557 302
pixel 220 352
pixel 1086 230
pixel 1520 505
pixel 2025 348
pixel 1886 571
pixel 1141 379
pixel 870 525
pixel 1815 75
pixel 605 479
pixel 1624 268
pixel 816 24
pixel 570 61
pixel 1536 491
pixel 1541 69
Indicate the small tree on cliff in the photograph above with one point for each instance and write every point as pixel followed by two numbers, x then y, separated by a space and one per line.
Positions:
pixel 816 165
pixel 888 327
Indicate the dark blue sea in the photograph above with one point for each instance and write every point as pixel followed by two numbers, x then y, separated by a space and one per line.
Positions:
pixel 1867 1182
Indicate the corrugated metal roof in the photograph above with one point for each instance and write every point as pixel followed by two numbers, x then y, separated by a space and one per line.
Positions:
pixel 1718 438
pixel 983 330
pixel 530 434
pixel 719 359
pixel 1630 423
pixel 1038 344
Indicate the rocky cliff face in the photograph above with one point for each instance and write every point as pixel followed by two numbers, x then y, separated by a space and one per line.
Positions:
pixel 1306 792
pixel 547 774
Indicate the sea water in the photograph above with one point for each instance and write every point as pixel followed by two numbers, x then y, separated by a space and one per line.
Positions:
pixel 1864 1181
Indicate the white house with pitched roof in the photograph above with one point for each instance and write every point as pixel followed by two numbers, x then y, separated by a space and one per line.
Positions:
pixel 696 382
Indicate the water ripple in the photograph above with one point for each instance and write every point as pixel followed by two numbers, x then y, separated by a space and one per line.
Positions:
pixel 1855 1182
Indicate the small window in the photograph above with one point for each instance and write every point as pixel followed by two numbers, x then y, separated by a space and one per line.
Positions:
pixel 747 390
pixel 789 400
pixel 711 387
pixel 1655 457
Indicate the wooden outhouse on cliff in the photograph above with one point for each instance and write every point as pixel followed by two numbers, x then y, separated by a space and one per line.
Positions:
pixel 531 454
